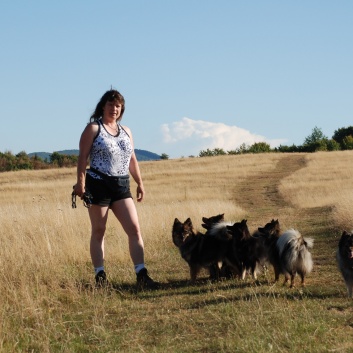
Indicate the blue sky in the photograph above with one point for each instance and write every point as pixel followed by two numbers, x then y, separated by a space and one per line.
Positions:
pixel 195 74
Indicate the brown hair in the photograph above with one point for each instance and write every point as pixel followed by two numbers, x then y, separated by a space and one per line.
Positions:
pixel 110 96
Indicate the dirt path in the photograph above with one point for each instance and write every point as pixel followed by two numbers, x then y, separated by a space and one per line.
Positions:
pixel 259 195
pixel 265 198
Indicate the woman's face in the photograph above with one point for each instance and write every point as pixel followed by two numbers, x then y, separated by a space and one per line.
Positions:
pixel 112 109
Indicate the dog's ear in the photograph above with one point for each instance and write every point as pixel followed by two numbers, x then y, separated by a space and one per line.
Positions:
pixel 345 239
pixel 176 220
pixel 345 235
pixel 188 222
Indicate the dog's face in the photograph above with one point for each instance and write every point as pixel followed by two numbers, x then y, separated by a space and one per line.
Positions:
pixel 209 222
pixel 239 230
pixel 346 245
pixel 181 231
pixel 271 229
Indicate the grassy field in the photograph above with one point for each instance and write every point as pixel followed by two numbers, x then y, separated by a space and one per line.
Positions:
pixel 49 303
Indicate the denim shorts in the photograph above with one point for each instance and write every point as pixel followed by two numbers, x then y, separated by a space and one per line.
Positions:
pixel 104 193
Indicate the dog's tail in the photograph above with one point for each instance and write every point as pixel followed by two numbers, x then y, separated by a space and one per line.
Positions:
pixel 220 230
pixel 293 249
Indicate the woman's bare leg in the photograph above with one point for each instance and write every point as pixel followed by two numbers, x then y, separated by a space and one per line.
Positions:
pixel 125 211
pixel 98 216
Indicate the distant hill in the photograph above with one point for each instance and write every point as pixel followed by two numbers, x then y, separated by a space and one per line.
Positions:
pixel 141 155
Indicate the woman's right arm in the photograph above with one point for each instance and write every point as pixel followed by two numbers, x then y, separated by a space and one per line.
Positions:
pixel 86 141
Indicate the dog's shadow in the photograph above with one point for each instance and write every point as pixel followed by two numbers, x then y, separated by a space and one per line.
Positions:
pixel 179 287
pixel 168 288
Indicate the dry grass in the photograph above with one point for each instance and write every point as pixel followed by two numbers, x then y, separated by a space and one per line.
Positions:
pixel 49 304
pixel 325 181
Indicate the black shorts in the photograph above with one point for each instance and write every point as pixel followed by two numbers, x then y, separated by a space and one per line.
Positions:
pixel 105 194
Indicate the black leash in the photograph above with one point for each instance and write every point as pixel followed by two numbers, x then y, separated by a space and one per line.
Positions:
pixel 86 198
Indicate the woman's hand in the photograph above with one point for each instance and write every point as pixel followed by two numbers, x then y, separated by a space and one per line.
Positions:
pixel 79 190
pixel 140 193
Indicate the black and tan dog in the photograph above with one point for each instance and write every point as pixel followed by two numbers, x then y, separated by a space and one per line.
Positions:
pixel 203 250
pixel 345 260
pixel 270 233
pixel 217 226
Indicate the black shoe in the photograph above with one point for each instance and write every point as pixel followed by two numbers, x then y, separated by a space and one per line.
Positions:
pixel 101 279
pixel 144 281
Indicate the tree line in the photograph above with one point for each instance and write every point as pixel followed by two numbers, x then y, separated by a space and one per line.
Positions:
pixel 21 161
pixel 342 139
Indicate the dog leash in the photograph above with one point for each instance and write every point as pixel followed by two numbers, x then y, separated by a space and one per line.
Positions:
pixel 86 198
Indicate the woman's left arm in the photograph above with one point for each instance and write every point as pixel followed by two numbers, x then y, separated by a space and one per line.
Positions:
pixel 135 169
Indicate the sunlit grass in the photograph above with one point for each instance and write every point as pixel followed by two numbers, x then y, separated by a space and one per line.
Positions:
pixel 49 303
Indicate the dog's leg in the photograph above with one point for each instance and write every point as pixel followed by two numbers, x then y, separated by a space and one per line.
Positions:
pixel 193 272
pixel 286 279
pixel 277 272
pixel 253 271
pixel 303 279
pixel 243 275
pixel 292 280
pixel 214 271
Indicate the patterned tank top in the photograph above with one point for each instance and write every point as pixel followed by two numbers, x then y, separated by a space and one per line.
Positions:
pixel 110 154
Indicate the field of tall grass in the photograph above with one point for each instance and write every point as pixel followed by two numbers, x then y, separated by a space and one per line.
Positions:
pixel 49 302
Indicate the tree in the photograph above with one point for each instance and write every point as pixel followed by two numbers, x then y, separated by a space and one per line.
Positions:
pixel 243 148
pixel 206 153
pixel 260 147
pixel 164 156
pixel 214 152
pixel 317 141
pixel 341 133
pixel 347 143
pixel 316 136
pixel 333 145
pixel 219 152
pixel 284 148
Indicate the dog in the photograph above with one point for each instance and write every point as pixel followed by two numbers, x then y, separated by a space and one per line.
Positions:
pixel 216 226
pixel 294 255
pixel 345 260
pixel 251 252
pixel 197 249
pixel 209 223
pixel 203 250
pixel 271 232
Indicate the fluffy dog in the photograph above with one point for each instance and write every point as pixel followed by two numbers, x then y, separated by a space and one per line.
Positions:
pixel 271 232
pixel 294 255
pixel 203 250
pixel 209 223
pixel 345 260
pixel 197 249
pixel 216 226
pixel 251 252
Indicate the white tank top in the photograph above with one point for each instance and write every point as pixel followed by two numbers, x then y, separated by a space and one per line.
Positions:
pixel 110 154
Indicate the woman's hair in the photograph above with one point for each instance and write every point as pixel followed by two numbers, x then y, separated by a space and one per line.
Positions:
pixel 110 96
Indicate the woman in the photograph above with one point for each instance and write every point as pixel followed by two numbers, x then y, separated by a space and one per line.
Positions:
pixel 109 146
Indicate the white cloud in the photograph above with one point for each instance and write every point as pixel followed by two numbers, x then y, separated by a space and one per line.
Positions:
pixel 205 134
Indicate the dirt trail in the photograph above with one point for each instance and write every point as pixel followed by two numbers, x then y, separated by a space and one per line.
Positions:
pixel 260 196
